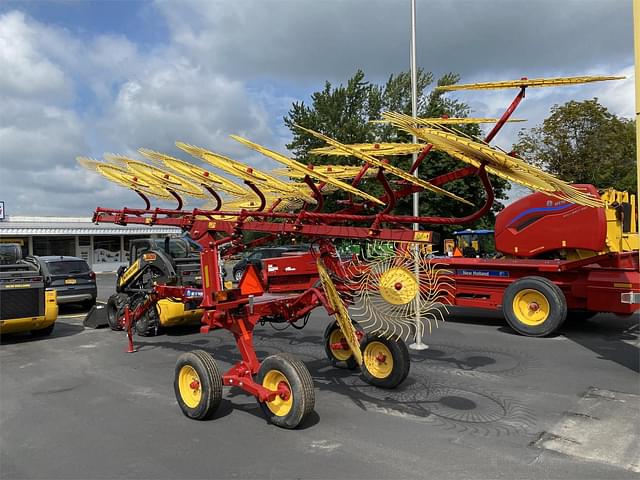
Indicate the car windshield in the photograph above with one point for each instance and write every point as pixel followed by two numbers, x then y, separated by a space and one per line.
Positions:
pixel 177 248
pixel 67 267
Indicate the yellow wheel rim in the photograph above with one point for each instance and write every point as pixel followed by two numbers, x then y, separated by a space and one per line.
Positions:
pixel 531 307
pixel 190 386
pixel 378 359
pixel 278 405
pixel 341 313
pixel 340 354
pixel 398 286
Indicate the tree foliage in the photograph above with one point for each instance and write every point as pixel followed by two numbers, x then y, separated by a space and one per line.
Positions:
pixel 345 112
pixel 582 142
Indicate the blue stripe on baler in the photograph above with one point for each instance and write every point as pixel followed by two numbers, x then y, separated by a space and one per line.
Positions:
pixel 541 209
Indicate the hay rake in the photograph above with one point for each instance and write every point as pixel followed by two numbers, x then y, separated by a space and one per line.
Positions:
pixel 385 292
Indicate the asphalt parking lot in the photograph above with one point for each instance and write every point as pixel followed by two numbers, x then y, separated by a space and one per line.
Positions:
pixel 481 402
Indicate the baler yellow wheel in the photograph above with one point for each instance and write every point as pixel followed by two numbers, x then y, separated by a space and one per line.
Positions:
pixel 295 397
pixel 531 307
pixel 197 384
pixel 534 306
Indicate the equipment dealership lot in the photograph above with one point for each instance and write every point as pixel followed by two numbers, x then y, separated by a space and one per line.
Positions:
pixel 481 402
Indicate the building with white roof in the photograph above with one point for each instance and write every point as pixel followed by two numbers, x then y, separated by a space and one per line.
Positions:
pixel 103 246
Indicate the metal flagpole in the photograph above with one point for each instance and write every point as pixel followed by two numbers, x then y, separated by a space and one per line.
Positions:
pixel 418 345
pixel 636 44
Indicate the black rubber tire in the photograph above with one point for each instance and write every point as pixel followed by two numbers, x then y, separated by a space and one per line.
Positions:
pixel 43 332
pixel 553 295
pixel 237 275
pixel 302 391
pixel 148 324
pixel 350 363
pixel 115 306
pixel 210 384
pixel 399 355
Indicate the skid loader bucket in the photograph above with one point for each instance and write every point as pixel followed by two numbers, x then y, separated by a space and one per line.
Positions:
pixel 96 318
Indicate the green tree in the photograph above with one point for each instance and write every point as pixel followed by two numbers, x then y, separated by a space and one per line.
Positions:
pixel 345 113
pixel 582 142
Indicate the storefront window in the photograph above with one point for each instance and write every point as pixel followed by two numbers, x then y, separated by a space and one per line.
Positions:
pixel 54 246
pixel 106 249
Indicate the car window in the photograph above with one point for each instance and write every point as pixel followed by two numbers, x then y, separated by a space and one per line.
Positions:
pixel 67 267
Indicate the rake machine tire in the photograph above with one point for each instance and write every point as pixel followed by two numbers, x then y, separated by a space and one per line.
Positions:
pixel 385 362
pixel 534 306
pixel 285 371
pixel 339 358
pixel 197 384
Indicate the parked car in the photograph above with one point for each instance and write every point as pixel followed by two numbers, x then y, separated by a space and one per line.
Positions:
pixel 258 254
pixel 71 277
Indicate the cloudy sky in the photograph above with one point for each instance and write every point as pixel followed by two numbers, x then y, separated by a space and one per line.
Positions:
pixel 84 78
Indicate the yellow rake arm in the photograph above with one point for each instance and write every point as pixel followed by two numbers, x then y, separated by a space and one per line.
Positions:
pixel 527 82
pixel 373 149
pixel 497 162
pixel 333 171
pixel 124 178
pixel 247 173
pixel 299 167
pixel 196 174
pixel 385 166
pixel 161 177
pixel 454 120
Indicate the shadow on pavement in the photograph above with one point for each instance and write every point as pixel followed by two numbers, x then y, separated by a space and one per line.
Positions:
pixel 613 338
pixel 434 391
pixel 72 309
pixel 61 329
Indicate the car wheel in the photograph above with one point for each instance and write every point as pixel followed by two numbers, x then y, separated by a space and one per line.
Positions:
pixel 237 275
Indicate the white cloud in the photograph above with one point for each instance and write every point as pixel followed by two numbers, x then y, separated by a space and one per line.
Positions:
pixel 27 71
pixel 231 67
pixel 179 101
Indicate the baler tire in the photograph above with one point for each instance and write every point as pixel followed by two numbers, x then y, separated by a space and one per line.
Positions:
pixel 387 373
pixel 202 401
pixel 333 334
pixel 550 306
pixel 289 413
